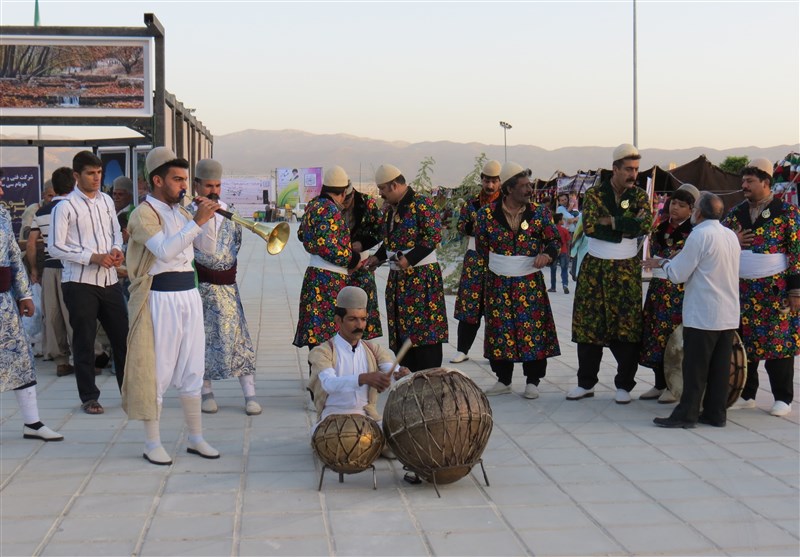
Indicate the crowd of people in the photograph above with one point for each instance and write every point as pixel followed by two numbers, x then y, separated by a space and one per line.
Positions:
pixel 159 282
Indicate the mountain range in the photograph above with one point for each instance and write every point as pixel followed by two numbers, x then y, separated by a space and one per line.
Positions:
pixel 260 152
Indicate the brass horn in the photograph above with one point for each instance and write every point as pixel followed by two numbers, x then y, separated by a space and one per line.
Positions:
pixel 276 236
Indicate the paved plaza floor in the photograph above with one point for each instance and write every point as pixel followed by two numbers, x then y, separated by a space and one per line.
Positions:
pixel 566 478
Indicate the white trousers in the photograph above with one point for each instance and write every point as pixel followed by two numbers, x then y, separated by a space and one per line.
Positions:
pixel 180 341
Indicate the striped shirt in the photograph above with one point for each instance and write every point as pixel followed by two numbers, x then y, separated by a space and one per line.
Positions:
pixel 41 224
pixel 81 227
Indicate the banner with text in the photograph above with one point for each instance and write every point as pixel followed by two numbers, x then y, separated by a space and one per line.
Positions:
pixel 247 195
pixel 298 185
pixel 21 187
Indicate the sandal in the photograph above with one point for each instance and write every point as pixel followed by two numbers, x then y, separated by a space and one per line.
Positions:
pixel 92 407
pixel 412 478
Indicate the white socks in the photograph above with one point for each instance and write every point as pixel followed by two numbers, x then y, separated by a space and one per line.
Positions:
pixel 193 418
pixel 26 398
pixel 152 433
pixel 248 383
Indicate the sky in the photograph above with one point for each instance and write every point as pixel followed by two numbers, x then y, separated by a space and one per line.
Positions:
pixel 712 74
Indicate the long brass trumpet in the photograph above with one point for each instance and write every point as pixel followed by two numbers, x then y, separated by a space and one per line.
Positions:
pixel 276 236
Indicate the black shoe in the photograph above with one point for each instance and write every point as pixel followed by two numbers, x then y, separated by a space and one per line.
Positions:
pixel 674 423
pixel 552 290
pixel 101 361
pixel 703 420
pixel 566 289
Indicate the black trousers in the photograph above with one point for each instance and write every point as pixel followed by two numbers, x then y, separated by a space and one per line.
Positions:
pixel 706 366
pixel 781 377
pixel 534 370
pixel 87 304
pixel 423 357
pixel 660 378
pixel 466 335
pixel 590 356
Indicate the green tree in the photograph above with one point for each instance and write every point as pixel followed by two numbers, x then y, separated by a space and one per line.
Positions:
pixel 423 183
pixel 734 164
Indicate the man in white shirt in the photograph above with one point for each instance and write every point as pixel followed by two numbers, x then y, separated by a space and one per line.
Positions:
pixel 167 338
pixel 708 264
pixel 86 237
pixel 347 373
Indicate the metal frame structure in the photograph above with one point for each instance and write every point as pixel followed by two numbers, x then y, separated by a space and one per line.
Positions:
pixel 187 136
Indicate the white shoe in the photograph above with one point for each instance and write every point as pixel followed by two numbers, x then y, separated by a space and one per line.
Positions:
pixel 252 408
pixel 498 389
pixel 780 409
pixel 458 358
pixel 578 393
pixel 743 404
pixel 202 449
pixel 44 433
pixel 622 397
pixel 652 394
pixel 667 397
pixel 531 391
pixel 157 456
pixel 209 406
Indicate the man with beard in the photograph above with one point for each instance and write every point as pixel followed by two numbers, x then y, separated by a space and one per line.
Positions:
pixel 608 297
pixel 769 285
pixel 326 237
pixel 469 299
pixel 167 339
pixel 516 239
pixel 415 307
pixel 364 221
pixel 229 350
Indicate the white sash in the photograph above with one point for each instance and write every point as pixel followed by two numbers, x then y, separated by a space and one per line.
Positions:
pixel 512 265
pixel 471 243
pixel 761 265
pixel 318 262
pixel 659 273
pixel 427 260
pixel 364 255
pixel 609 250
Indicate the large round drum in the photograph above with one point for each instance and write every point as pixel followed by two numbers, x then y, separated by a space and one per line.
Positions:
pixel 437 421
pixel 673 366
pixel 347 443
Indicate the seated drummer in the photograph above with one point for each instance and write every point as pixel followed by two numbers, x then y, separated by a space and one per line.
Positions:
pixel 347 373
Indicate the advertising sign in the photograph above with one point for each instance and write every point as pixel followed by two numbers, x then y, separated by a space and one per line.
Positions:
pixel 21 187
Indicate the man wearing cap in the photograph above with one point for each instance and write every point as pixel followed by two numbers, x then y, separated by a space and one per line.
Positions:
pixel 517 239
pixel 122 192
pixel 608 296
pixel 769 285
pixel 469 299
pixel 414 292
pixel 325 236
pixel 229 350
pixel 347 372
pixel 167 338
pixel 663 305
pixel 57 330
pixel 86 237
pixel 364 220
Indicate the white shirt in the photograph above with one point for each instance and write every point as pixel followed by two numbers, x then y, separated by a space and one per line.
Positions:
pixel 82 226
pixel 174 244
pixel 345 395
pixel 709 265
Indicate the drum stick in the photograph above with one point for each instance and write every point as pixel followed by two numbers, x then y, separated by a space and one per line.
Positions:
pixel 401 354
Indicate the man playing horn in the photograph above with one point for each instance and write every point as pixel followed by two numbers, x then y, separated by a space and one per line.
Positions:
pixel 608 296
pixel 516 239
pixel 769 285
pixel 229 350
pixel 415 307
pixel 167 338
pixel 469 299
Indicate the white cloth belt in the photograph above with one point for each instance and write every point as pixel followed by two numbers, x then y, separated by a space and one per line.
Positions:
pixel 761 265
pixel 609 250
pixel 317 261
pixel 427 260
pixel 471 242
pixel 364 255
pixel 660 274
pixel 512 265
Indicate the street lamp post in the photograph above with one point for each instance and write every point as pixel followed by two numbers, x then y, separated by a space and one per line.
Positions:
pixel 506 126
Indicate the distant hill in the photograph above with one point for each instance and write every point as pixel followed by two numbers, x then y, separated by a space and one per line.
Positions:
pixel 259 152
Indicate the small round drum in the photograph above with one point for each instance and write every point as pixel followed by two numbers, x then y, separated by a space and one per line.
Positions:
pixel 437 421
pixel 673 366
pixel 347 443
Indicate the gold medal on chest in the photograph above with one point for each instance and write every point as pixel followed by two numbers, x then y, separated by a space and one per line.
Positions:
pixel 765 213
pixel 625 204
pixel 524 225
pixel 396 218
